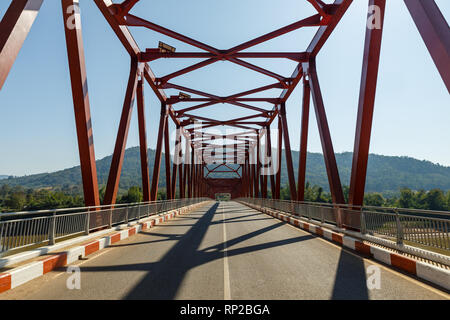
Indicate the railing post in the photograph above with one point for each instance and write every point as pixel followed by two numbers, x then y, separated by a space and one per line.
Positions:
pixel 399 228
pixel 322 216
pixel 52 230
pixel 110 218
pixel 363 222
pixel 126 214
pixel 88 218
pixel 139 212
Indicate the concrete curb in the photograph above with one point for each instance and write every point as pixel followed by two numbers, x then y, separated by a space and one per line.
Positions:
pixel 431 273
pixel 23 274
pixel 27 255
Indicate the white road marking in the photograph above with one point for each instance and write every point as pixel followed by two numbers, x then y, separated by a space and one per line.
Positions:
pixel 226 270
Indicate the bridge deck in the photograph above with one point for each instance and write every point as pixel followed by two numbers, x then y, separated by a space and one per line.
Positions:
pixel 224 251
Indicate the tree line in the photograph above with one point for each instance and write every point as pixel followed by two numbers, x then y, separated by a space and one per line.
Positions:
pixel 435 199
pixel 17 198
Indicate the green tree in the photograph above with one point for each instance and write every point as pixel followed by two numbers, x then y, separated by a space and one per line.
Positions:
pixel 435 200
pixel 406 199
pixel 448 200
pixel 374 199
pixel 16 201
pixel 346 191
pixel 133 195
pixel 420 201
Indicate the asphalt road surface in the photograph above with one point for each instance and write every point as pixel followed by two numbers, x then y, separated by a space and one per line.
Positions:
pixel 226 251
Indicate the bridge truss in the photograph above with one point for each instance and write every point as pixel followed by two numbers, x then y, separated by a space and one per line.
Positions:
pixel 251 147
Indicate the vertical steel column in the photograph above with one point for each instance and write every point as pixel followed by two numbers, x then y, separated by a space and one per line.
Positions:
pixel 366 104
pixel 196 177
pixel 235 153
pixel 143 140
pixel 325 137
pixel 247 174
pixel 264 183
pixel 158 154
pixel 272 173
pixel 122 134
pixel 224 150
pixel 254 175
pixel 279 154
pixel 175 165
pixel 259 177
pixel 186 167
pixel 191 174
pixel 236 161
pixel 288 152
pixel 16 25
pixel 250 171
pixel 195 180
pixel 303 141
pixel 181 173
pixel 435 32
pixel 78 78
pixel 167 158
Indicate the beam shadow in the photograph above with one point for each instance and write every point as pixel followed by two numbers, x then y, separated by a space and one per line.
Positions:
pixel 165 276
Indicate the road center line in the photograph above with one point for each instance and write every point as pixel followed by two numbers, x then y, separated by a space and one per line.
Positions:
pixel 226 270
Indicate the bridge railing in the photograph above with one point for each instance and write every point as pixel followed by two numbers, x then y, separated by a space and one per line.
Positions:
pixel 26 230
pixel 419 228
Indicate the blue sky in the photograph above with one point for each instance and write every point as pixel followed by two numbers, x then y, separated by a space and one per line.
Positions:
pixel 37 124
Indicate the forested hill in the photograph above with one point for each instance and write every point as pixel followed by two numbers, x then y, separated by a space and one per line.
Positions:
pixel 385 173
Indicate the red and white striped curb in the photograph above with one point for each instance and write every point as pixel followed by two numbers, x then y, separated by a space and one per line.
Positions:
pixel 20 275
pixel 420 269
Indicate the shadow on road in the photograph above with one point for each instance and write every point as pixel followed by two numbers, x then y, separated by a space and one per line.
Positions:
pixel 164 277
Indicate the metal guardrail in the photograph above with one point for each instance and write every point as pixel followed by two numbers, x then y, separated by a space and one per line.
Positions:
pixel 26 229
pixel 422 228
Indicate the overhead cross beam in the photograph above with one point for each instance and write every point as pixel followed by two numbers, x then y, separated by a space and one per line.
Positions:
pixel 15 26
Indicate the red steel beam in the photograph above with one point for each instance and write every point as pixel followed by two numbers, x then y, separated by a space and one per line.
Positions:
pixel 167 159
pixel 158 154
pixel 211 103
pixel 317 43
pixel 303 142
pixel 191 174
pixel 151 55
pixel 312 21
pixel 279 154
pixel 131 20
pixel 325 137
pixel 255 174
pixel 366 104
pixel 143 141
pixel 80 95
pixel 250 171
pixel 122 134
pixel 288 152
pixel 435 32
pixel 176 99
pixel 269 154
pixel 185 169
pixel 258 167
pixel 176 166
pixel 15 26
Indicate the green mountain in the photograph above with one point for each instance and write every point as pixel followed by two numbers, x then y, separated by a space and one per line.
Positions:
pixel 386 174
